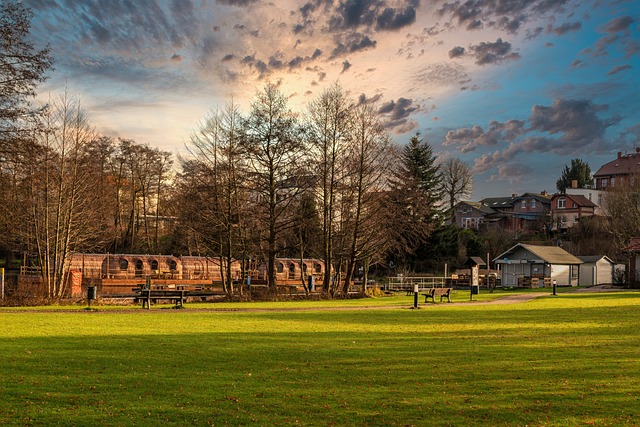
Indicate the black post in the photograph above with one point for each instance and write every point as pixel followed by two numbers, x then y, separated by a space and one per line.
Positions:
pixel 415 296
pixel 555 283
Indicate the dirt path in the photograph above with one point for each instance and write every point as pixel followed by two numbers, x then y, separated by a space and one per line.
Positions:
pixel 509 299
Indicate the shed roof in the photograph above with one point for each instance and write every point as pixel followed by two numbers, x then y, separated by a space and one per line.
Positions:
pixel 549 254
pixel 595 258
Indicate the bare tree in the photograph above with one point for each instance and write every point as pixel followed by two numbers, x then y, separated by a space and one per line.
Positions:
pixel 212 180
pixel 369 164
pixel 328 122
pixel 61 193
pixel 274 150
pixel 622 206
pixel 457 181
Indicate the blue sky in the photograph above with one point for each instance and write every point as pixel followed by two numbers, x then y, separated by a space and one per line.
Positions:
pixel 515 88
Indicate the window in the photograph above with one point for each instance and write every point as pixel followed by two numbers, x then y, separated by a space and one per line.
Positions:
pixel 524 204
pixel 154 264
pixel 318 268
pixel 604 182
pixel 173 265
pixel 124 264
pixel 562 203
pixel 533 204
pixel 280 267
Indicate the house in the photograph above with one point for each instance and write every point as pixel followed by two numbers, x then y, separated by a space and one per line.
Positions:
pixel 472 215
pixel 529 211
pixel 532 211
pixel 591 194
pixel 597 270
pixel 567 209
pixel 619 170
pixel 536 266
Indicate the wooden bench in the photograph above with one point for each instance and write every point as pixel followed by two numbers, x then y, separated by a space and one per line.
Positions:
pixel 146 295
pixel 434 292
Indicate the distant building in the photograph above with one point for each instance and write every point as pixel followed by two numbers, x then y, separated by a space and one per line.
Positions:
pixel 617 171
pixel 568 209
pixel 472 215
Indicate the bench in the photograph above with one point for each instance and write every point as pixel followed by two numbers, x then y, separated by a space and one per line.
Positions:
pixel 434 292
pixel 146 295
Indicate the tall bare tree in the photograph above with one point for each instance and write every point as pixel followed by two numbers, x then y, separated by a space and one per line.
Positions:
pixel 212 181
pixel 457 181
pixel 369 165
pixel 328 123
pixel 274 150
pixel 62 217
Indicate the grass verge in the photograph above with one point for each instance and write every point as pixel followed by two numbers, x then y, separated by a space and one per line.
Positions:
pixel 566 360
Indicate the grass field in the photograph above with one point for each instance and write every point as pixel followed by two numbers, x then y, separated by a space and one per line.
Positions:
pixel 572 359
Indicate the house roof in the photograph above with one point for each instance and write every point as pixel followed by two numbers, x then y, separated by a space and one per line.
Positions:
pixel 549 254
pixel 498 202
pixel 578 199
pixel 623 165
pixel 541 197
pixel 479 206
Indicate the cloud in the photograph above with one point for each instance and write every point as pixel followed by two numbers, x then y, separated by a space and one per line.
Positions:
pixel 352 43
pixel 509 16
pixel 564 28
pixel 512 173
pixel 396 114
pixel 393 19
pixel 618 24
pixel 618 69
pixel 565 127
pixel 493 53
pixel 441 74
pixel 456 52
pixel 470 138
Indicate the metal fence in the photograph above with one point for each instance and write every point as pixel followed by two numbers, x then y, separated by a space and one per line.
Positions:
pixel 402 283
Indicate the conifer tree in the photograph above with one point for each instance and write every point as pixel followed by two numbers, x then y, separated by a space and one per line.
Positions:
pixel 414 203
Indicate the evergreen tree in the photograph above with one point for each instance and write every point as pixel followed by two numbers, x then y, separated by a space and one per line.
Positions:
pixel 414 203
pixel 579 171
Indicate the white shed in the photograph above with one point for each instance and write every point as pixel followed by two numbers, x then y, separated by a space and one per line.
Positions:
pixel 596 270
pixel 537 266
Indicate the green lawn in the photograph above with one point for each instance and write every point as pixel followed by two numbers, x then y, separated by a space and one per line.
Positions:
pixel 572 359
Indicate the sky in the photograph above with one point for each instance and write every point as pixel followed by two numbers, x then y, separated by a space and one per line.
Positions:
pixel 514 88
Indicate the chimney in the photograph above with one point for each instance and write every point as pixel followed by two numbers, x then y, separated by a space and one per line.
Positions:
pixel 574 183
pixel 544 193
pixel 619 154
pixel 514 195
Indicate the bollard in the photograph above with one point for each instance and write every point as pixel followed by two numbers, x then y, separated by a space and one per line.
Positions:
pixel 415 296
pixel 555 284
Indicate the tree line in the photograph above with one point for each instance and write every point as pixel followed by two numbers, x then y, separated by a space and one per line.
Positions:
pixel 327 182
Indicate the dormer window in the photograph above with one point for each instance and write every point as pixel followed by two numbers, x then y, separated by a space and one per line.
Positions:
pixel 524 204
pixel 562 203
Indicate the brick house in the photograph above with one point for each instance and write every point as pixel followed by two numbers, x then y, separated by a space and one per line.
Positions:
pixel 532 211
pixel 618 170
pixel 472 215
pixel 567 209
